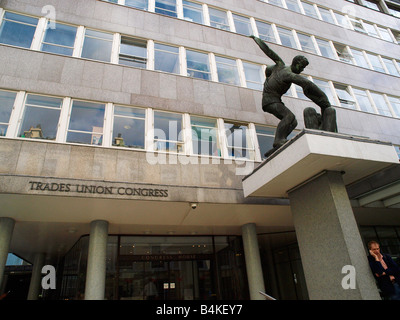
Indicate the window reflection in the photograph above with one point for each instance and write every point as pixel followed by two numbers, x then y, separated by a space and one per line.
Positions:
pixel 86 123
pixel 7 99
pixel 239 141
pixel 17 30
pixel 97 45
pixel 59 39
pixel 166 58
pixel 168 132
pixel 129 127
pixel 205 136
pixel 227 70
pixel 41 116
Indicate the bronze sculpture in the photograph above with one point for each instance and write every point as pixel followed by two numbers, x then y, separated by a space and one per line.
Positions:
pixel 279 78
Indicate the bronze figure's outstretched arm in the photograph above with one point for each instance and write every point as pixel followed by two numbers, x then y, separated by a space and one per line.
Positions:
pixel 267 50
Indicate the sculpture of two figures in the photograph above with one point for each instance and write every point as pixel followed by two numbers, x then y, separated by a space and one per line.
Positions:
pixel 279 78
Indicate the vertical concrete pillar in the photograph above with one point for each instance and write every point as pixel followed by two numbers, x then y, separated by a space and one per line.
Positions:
pixel 6 230
pixel 96 266
pixel 329 240
pixel 36 279
pixel 253 262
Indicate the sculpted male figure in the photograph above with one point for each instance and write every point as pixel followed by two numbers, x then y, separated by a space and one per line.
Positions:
pixel 279 78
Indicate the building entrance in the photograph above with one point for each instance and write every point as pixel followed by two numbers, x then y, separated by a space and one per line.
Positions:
pixel 165 279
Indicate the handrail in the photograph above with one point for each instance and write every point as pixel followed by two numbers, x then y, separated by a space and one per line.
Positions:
pixel 267 296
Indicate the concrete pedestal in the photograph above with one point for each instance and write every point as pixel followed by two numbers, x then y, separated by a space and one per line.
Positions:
pixel 329 241
pixel 36 279
pixel 312 170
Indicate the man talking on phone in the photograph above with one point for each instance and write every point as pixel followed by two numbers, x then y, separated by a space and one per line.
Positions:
pixel 385 271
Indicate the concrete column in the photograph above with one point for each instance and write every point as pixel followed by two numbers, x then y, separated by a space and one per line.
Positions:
pixel 96 266
pixel 36 279
pixel 253 262
pixel 6 230
pixel 329 240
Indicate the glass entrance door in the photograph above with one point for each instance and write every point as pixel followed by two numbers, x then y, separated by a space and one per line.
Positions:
pixel 165 280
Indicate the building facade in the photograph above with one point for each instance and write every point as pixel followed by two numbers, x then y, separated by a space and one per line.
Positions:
pixel 127 127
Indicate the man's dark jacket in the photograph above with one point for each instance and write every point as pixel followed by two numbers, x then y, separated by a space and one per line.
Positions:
pixel 384 283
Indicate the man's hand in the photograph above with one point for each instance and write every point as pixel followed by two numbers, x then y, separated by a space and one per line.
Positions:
pixel 373 255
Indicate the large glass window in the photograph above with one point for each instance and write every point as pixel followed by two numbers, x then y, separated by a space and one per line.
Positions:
pixel 293 5
pixel 324 86
pixel 198 65
pixel 326 15
pixel 286 37
pixel 359 58
pixel 97 45
pixel 265 137
pixel 242 25
pixel 59 39
pixel 370 28
pixel 138 4
pixel 133 52
pixel 395 103
pixel 343 53
pixel 390 66
pixel 168 132
pixel 381 104
pixel 7 99
pixel 17 30
pixel 357 25
pixel 265 31
pixel 342 20
pixel 276 3
pixel 166 7
pixel 166 58
pixel 41 116
pixel 309 10
pixel 227 70
pixel 254 75
pixel 218 19
pixel 239 142
pixel 375 62
pixel 86 123
pixel 345 98
pixel 385 35
pixel 306 43
pixel 325 48
pixel 129 127
pixel 363 100
pixel 192 11
pixel 205 136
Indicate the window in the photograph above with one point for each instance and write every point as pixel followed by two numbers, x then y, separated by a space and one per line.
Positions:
pixel 395 103
pixel 7 99
pixel 357 25
pixel 166 58
pixel 286 37
pixel 345 98
pixel 265 137
pixel 238 141
pixel 370 28
pixel 343 53
pixel 17 30
pixel 276 3
pixel 394 11
pixel 138 4
pixel 306 43
pixel 265 31
pixel 198 65
pixel 168 132
pixel 363 100
pixel 133 52
pixel 325 48
pixel 166 7
pixel 375 62
pixel 309 10
pixel 371 5
pixel 380 104
pixel 59 39
pixel 254 76
pixel 326 15
pixel 86 123
pixel 342 20
pixel 192 11
pixel 385 35
pixel 129 127
pixel 359 58
pixel 97 45
pixel 41 116
pixel 293 5
pixel 218 19
pixel 242 25
pixel 227 71
pixel 205 136
pixel 390 66
pixel 324 86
